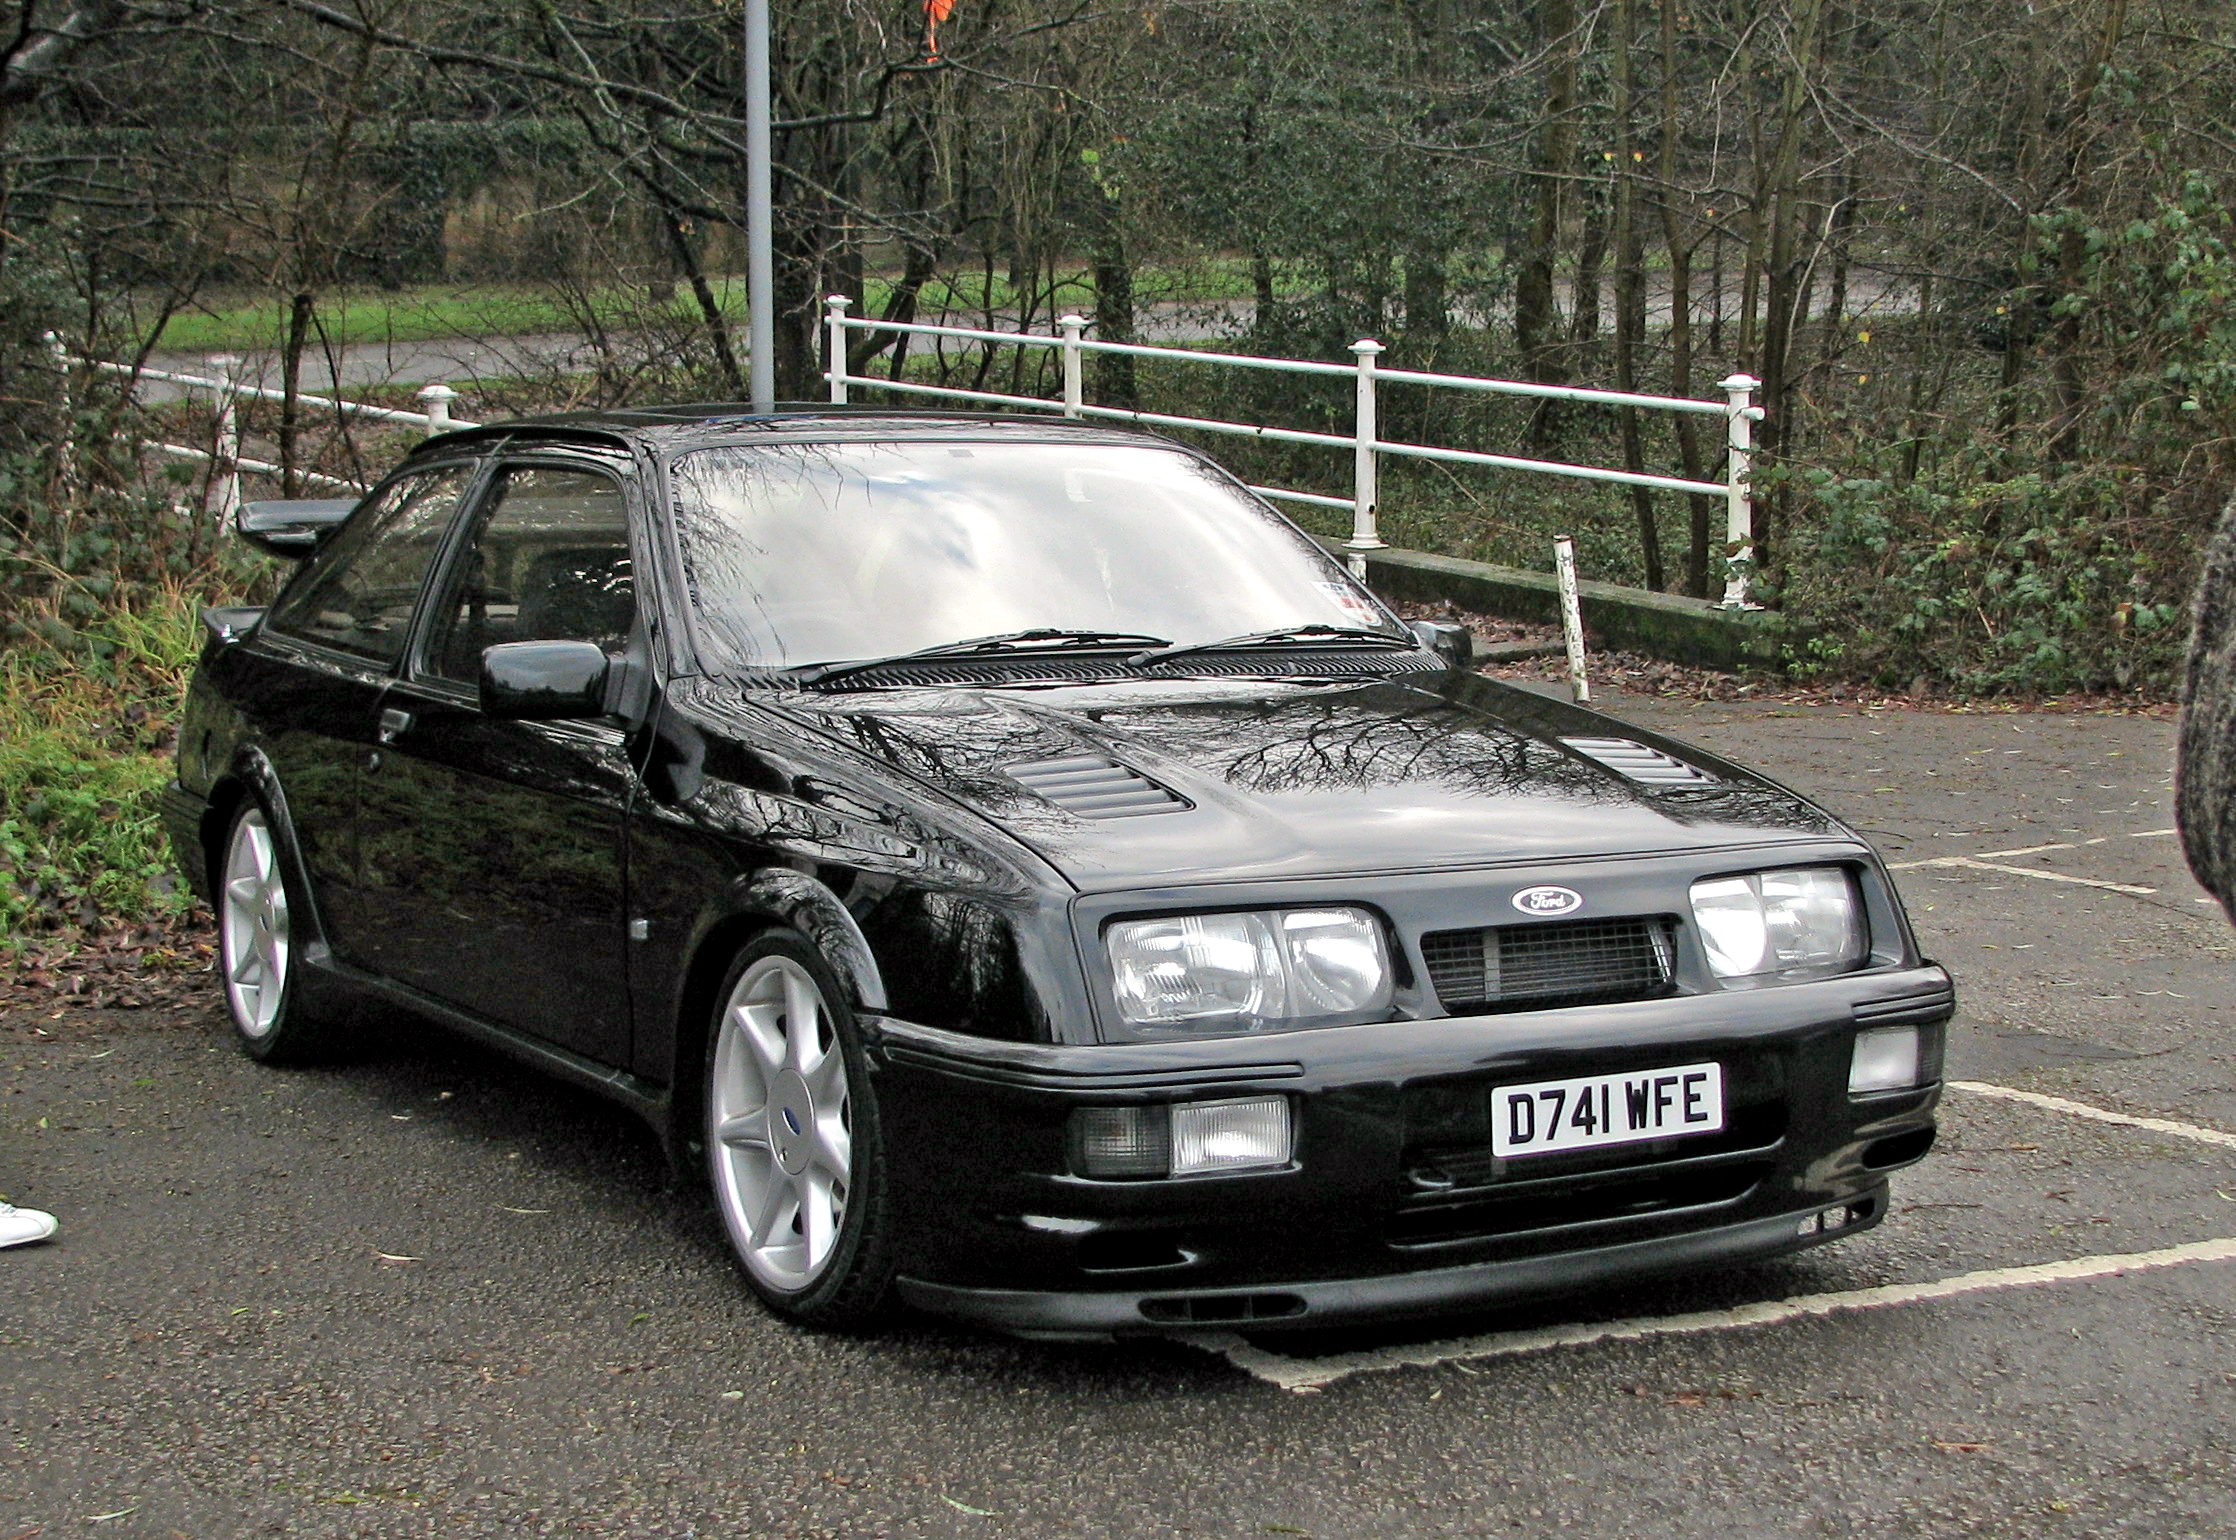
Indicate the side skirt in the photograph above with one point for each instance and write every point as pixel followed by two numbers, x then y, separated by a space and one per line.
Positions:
pixel 344 988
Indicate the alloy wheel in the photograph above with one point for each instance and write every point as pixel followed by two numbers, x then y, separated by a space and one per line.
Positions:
pixel 781 1124
pixel 253 944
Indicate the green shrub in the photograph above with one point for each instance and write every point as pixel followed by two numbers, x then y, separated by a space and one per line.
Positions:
pixel 87 715
pixel 2035 583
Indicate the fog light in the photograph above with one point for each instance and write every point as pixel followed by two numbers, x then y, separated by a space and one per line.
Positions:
pixel 1885 1059
pixel 1121 1141
pixel 1230 1136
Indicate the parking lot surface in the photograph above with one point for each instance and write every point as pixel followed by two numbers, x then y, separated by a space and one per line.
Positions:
pixel 424 1292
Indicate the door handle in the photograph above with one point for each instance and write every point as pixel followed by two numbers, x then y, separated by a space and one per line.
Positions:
pixel 393 723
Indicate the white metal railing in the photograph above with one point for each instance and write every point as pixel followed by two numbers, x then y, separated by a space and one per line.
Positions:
pixel 225 454
pixel 1365 442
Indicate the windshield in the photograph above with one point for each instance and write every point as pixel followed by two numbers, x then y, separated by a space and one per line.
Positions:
pixel 798 554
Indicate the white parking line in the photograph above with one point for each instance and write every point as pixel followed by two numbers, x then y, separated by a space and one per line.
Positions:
pixel 1974 863
pixel 2097 1114
pixel 1309 1375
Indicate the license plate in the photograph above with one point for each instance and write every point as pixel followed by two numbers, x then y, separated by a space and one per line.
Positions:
pixel 1595 1110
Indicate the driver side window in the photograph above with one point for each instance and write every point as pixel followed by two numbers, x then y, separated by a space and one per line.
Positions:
pixel 547 560
pixel 357 594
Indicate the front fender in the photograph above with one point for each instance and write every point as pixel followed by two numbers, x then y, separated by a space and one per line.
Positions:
pixel 811 908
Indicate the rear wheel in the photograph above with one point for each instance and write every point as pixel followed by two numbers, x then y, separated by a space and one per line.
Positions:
pixel 254 943
pixel 792 1137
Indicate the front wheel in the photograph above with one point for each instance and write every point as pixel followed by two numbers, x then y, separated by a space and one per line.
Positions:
pixel 792 1137
pixel 254 945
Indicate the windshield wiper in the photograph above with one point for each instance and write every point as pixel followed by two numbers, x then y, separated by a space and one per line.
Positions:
pixel 1311 632
pixel 1035 639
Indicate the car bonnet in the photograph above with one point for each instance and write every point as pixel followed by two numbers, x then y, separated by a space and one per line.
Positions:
pixel 1170 782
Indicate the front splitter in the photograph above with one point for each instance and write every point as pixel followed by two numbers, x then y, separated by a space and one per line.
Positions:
pixel 1396 1296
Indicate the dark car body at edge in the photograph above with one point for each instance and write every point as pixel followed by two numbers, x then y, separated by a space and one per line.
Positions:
pixel 962 910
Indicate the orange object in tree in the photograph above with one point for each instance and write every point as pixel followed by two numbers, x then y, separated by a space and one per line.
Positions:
pixel 935 12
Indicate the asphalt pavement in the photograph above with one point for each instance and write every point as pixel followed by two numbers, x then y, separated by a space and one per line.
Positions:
pixel 426 1293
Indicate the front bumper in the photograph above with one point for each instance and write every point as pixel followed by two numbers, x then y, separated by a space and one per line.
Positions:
pixel 1394 1205
pixel 1389 1297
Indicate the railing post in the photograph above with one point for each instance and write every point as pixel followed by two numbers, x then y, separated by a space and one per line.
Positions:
pixel 66 447
pixel 834 312
pixel 1740 417
pixel 1075 391
pixel 225 464
pixel 438 399
pixel 1572 617
pixel 1365 492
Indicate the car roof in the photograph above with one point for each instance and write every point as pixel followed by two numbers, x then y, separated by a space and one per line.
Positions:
pixel 702 425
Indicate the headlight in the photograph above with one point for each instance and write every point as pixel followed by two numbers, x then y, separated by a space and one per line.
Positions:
pixel 1799 921
pixel 1250 972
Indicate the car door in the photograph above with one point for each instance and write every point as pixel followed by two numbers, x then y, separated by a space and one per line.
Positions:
pixel 312 678
pixel 494 850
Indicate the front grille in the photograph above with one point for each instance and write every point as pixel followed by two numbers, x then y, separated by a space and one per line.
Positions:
pixel 1632 1195
pixel 1540 967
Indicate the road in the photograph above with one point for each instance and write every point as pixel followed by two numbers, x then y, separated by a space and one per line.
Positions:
pixel 449 360
pixel 425 1293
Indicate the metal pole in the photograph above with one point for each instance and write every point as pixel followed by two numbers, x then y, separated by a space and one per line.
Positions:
pixel 438 399
pixel 1075 394
pixel 1739 499
pixel 1572 616
pixel 1365 494
pixel 760 272
pixel 834 312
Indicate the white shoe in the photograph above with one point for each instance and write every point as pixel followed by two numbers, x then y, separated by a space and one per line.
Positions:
pixel 22 1226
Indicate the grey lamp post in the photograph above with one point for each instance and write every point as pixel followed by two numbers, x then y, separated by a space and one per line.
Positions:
pixel 760 275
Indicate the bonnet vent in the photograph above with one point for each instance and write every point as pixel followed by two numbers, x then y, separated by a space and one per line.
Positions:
pixel 1635 761
pixel 1094 787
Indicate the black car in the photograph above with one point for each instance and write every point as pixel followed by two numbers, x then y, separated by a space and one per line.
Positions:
pixel 1034 881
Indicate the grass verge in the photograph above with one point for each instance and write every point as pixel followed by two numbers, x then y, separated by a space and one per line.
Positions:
pixel 87 717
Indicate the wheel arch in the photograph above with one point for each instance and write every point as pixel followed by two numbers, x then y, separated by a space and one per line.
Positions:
pixel 774 898
pixel 251 776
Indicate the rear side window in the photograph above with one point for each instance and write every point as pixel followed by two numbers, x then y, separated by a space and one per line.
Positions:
pixel 548 561
pixel 356 595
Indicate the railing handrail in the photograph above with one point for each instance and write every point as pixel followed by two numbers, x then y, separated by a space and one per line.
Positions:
pixel 225 490
pixel 1737 408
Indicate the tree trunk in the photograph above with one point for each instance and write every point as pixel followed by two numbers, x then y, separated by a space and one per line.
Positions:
pixel 1700 510
pixel 1785 297
pixel 1261 293
pixel 299 313
pixel 1114 321
pixel 2068 372
pixel 1536 319
pixel 710 310
pixel 1591 253
pixel 1630 291
pixel 1427 301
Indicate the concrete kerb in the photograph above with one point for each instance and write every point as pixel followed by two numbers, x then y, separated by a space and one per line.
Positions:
pixel 1667 626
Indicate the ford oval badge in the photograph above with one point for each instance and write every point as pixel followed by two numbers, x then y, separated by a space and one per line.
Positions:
pixel 1548 900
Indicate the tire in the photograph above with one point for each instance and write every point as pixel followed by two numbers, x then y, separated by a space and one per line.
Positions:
pixel 794 1147
pixel 255 953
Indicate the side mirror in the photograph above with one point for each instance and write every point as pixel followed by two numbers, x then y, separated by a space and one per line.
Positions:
pixel 1448 639
pixel 544 681
pixel 291 527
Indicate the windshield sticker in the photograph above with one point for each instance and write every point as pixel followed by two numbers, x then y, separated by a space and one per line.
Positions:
pixel 1352 603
